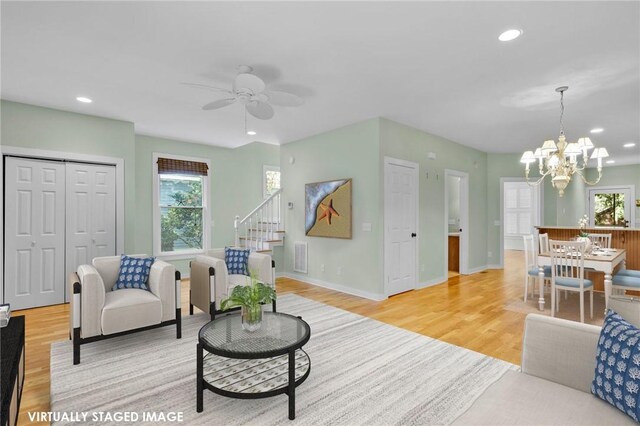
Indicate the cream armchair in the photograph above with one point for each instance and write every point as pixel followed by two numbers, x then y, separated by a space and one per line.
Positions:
pixel 99 313
pixel 211 282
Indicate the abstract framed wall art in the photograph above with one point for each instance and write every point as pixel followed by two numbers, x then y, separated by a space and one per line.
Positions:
pixel 328 209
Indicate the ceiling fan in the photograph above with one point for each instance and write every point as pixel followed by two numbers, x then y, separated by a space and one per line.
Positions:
pixel 251 91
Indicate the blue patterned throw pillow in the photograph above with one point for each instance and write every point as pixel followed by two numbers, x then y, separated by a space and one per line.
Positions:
pixel 134 272
pixel 237 261
pixel 617 375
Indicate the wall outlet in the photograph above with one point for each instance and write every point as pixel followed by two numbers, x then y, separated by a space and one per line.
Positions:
pixel 490 254
pixel 322 267
pixel 339 270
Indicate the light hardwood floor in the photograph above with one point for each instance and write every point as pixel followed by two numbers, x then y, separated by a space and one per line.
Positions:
pixel 467 311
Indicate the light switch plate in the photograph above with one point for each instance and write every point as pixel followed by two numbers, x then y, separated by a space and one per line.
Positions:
pixel 496 223
pixel 366 227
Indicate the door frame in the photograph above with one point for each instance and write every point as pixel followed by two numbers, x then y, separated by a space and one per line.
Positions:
pixel 41 154
pixel 540 212
pixel 464 220
pixel 388 161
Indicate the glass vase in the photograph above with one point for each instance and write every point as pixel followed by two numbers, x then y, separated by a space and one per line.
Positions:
pixel 587 241
pixel 251 317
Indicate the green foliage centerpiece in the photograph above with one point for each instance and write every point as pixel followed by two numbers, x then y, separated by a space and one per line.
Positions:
pixel 250 299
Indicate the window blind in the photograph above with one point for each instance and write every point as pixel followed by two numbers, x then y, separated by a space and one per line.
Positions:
pixel 171 165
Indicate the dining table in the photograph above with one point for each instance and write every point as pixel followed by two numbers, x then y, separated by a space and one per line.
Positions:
pixel 603 260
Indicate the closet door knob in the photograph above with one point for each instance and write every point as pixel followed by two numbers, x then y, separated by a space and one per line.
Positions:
pixel 33 243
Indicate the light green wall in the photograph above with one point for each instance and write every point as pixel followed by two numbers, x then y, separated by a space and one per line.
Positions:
pixel 236 173
pixel 509 166
pixel 348 152
pixel 235 185
pixel 29 126
pixel 407 143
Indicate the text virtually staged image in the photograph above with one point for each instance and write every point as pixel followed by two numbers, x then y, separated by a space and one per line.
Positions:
pixel 320 213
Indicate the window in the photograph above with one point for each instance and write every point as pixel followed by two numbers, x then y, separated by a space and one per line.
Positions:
pixel 610 206
pixel 180 217
pixel 520 209
pixel 270 180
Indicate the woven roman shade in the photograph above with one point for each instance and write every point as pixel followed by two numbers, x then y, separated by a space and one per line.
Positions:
pixel 171 165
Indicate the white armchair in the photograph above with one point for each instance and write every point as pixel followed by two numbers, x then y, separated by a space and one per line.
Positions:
pixel 98 313
pixel 210 281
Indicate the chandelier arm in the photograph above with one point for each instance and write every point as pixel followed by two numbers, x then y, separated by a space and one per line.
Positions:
pixel 537 182
pixel 584 179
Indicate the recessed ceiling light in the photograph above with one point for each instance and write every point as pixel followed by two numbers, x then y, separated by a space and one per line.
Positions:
pixel 597 130
pixel 510 35
pixel 629 145
pixel 83 99
pixel 610 161
pixel 251 132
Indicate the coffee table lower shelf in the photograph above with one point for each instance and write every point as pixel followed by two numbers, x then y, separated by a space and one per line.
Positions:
pixel 254 378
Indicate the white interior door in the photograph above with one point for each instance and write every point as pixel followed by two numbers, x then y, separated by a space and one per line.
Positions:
pixel 401 226
pixel 91 213
pixel 34 233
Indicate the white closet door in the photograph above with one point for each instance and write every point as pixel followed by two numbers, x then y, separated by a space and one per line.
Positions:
pixel 34 233
pixel 91 213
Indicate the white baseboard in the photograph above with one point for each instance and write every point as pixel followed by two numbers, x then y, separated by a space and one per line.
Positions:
pixel 431 282
pixel 332 286
pixel 477 269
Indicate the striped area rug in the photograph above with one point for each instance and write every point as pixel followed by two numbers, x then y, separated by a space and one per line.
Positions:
pixel 363 372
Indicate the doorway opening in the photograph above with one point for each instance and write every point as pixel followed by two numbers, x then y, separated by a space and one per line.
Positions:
pixel 456 229
pixel 521 212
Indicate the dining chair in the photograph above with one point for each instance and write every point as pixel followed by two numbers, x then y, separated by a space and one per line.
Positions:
pixel 567 273
pixel 531 266
pixel 603 240
pixel 544 243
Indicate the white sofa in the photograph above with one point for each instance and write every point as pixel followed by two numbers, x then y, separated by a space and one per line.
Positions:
pixel 211 282
pixel 97 312
pixel 554 384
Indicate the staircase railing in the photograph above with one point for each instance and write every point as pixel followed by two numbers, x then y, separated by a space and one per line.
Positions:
pixel 261 224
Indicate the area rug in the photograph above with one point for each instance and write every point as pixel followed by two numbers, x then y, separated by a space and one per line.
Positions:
pixel 363 372
pixel 569 308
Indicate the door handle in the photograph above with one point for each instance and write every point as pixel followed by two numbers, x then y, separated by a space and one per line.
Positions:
pixel 33 243
pixel 413 235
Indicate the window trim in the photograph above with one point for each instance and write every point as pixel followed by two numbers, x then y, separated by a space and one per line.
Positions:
pixel 206 211
pixel 268 168
pixel 610 189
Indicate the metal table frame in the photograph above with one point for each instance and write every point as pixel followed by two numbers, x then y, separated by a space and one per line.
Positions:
pixel 290 389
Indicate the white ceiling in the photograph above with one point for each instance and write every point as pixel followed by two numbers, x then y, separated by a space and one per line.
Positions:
pixel 437 66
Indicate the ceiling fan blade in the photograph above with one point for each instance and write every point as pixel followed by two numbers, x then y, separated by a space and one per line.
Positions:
pixel 218 104
pixel 248 82
pixel 283 98
pixel 260 110
pixel 206 86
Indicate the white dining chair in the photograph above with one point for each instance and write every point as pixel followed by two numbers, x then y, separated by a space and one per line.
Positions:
pixel 531 266
pixel 603 240
pixel 567 273
pixel 544 243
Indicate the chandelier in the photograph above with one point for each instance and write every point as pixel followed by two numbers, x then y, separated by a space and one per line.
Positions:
pixel 560 160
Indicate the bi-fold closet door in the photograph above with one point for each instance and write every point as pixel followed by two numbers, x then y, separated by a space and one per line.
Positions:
pixel 57 216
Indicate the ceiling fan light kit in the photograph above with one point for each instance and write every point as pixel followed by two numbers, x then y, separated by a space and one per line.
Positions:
pixel 251 91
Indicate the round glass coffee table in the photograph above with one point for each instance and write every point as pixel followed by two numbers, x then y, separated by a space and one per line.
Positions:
pixel 239 364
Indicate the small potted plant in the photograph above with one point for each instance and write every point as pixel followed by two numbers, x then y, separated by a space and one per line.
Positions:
pixel 250 299
pixel 583 236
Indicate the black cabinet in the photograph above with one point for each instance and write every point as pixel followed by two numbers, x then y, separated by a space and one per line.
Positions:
pixel 11 369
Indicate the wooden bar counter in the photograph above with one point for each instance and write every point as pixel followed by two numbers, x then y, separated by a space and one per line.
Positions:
pixel 622 238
